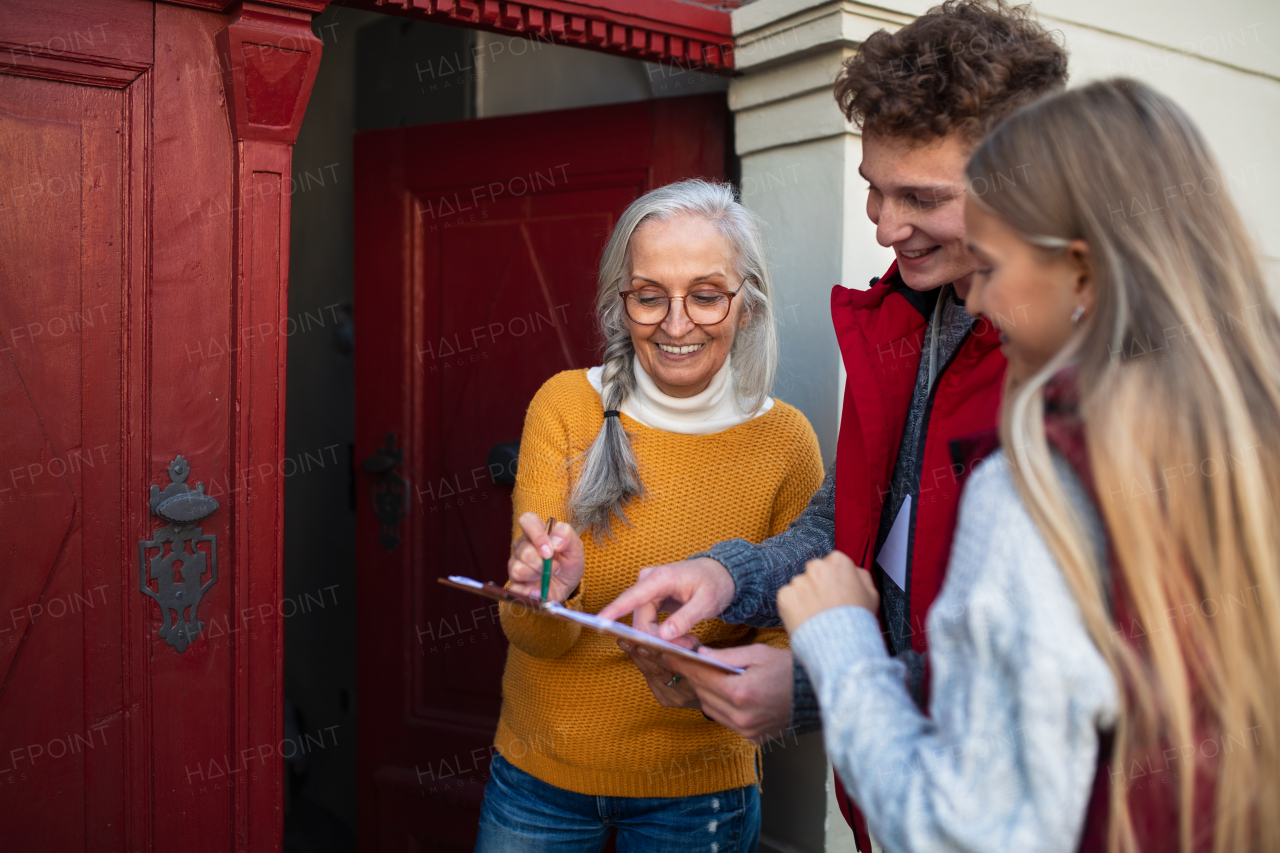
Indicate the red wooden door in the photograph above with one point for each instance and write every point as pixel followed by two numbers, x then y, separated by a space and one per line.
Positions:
pixel 476 249
pixel 65 271
pixel 134 256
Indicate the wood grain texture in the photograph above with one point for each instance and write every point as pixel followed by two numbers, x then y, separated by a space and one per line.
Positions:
pixel 270 63
pixel 70 248
pixel 116 32
pixel 194 764
pixel 143 259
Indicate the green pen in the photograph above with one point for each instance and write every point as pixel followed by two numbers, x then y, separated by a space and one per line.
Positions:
pixel 546 565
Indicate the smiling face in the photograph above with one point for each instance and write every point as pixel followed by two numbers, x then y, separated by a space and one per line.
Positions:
pixel 915 198
pixel 1029 294
pixel 680 257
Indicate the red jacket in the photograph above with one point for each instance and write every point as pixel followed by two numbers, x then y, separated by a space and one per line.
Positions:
pixel 880 334
pixel 1148 774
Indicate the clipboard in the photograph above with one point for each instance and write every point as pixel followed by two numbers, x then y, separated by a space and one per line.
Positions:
pixel 556 610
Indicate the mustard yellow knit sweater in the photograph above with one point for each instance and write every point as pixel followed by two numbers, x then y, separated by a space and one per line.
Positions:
pixel 575 712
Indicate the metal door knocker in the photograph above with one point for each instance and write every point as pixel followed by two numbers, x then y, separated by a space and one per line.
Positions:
pixel 177 574
pixel 388 490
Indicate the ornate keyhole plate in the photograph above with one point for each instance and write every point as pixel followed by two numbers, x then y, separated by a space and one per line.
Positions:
pixel 388 490
pixel 179 562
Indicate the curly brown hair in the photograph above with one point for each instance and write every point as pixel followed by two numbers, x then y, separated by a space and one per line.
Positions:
pixel 961 67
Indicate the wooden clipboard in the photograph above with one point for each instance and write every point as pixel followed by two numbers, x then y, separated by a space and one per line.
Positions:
pixel 605 626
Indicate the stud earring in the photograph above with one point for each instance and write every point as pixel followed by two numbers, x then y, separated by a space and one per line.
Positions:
pixel 1077 314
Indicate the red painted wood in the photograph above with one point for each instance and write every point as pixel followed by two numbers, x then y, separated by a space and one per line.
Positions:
pixel 55 553
pixel 189 407
pixel 72 273
pixel 475 280
pixel 270 59
pixel 140 263
pixel 270 62
pixel 117 32
pixel 311 7
pixel 697 33
pixel 691 34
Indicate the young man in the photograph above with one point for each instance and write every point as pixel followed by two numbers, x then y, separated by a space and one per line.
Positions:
pixel 921 373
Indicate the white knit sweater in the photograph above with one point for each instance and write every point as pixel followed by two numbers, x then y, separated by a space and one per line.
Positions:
pixel 1006 757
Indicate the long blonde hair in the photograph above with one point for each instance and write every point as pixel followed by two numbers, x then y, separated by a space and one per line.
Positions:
pixel 1178 371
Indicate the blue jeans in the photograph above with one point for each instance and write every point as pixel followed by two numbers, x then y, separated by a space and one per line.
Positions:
pixel 523 814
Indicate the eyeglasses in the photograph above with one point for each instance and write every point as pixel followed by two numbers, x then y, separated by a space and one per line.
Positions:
pixel 649 306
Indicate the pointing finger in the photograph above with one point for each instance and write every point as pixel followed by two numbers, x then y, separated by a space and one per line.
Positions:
pixel 682 621
pixel 631 599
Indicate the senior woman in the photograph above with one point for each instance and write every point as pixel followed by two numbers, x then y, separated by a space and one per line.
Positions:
pixel 670 446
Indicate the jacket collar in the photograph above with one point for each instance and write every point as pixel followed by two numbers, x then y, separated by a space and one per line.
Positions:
pixel 887 311
pixel 924 301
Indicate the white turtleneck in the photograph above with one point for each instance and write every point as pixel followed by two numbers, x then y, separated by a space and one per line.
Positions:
pixel 714 410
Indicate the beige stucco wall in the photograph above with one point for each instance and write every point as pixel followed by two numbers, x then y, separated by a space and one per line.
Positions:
pixel 1220 61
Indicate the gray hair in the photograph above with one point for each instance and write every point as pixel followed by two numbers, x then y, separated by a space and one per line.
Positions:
pixel 610 478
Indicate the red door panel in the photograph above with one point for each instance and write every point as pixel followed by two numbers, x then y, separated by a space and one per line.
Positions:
pixel 516 312
pixel 476 252
pixel 121 347
pixel 62 308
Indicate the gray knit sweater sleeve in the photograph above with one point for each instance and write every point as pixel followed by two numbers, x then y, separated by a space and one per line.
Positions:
pixel 806 716
pixel 759 571
pixel 1006 757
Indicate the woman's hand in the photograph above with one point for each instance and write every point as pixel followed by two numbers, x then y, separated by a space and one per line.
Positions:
pixel 833 581
pixel 678 695
pixel 562 545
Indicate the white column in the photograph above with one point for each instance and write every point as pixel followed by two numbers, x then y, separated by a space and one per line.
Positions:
pixel 799 172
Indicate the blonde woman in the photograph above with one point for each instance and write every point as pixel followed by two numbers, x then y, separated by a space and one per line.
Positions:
pixel 1105 653
pixel 671 445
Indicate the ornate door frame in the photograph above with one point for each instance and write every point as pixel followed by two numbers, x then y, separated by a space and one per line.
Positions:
pixel 268 58
pixel 269 62
pixel 687 34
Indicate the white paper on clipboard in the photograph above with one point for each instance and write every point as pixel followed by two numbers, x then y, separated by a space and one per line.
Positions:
pixel 559 611
pixel 635 635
